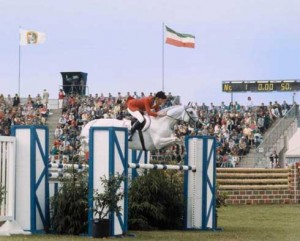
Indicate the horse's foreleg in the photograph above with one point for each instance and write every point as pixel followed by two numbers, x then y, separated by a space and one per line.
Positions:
pixel 166 141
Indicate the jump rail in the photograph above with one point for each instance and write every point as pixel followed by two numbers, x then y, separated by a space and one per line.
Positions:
pixel 162 167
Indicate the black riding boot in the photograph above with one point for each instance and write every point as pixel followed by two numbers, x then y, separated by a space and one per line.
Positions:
pixel 134 127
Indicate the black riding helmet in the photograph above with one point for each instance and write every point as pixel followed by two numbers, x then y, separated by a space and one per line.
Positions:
pixel 161 95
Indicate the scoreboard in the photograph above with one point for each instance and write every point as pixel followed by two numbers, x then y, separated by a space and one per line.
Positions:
pixel 261 86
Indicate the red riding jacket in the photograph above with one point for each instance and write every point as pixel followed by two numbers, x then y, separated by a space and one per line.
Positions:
pixel 143 104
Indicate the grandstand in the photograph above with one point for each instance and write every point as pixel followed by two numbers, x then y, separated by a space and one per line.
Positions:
pixel 228 123
pixel 246 136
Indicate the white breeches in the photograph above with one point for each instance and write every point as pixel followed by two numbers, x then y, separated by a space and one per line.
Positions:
pixel 60 103
pixel 137 115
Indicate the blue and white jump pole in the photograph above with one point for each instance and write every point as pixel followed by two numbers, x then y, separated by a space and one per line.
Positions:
pixel 27 185
pixel 31 178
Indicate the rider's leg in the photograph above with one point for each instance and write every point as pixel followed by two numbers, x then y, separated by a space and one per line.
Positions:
pixel 137 124
pixel 134 127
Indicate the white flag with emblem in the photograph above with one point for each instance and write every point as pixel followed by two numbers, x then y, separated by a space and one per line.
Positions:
pixel 28 37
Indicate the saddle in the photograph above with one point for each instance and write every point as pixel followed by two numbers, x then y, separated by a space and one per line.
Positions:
pixel 143 126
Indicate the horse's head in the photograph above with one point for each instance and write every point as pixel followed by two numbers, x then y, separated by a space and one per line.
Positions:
pixel 190 115
pixel 186 113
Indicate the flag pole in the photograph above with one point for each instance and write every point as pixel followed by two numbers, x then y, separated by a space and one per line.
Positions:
pixel 19 77
pixel 163 56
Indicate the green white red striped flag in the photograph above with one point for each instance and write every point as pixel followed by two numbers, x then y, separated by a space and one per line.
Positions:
pixel 179 39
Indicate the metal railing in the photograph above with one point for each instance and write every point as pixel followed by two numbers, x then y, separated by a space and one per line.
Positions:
pixel 271 138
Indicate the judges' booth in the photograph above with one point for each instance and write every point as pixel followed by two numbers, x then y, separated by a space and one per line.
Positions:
pixel 74 82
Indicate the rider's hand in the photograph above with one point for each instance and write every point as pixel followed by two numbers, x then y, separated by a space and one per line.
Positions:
pixel 161 114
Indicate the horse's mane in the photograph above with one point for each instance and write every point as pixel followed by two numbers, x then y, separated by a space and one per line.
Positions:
pixel 169 108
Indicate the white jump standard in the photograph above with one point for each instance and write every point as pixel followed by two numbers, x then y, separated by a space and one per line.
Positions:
pixel 109 155
pixel 26 182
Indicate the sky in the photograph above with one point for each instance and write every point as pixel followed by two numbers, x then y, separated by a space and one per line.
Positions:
pixel 120 45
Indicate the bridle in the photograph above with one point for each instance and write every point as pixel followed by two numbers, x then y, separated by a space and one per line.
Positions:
pixel 188 113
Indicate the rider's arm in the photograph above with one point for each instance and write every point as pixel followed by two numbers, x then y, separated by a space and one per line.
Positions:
pixel 147 103
pixel 159 113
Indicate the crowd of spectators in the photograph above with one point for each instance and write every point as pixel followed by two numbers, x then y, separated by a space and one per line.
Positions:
pixel 77 111
pixel 12 112
pixel 237 128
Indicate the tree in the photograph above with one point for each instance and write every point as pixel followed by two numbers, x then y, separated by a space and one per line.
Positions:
pixel 107 200
pixel 70 204
pixel 2 194
pixel 156 201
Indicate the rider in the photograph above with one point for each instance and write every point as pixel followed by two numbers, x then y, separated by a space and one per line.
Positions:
pixel 135 106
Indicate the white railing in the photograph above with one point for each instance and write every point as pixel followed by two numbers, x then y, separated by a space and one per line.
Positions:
pixel 7 176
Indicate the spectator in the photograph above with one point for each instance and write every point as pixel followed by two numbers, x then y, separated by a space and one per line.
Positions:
pixel 203 107
pixel 61 96
pixel 29 100
pixel 45 98
pixel 71 102
pixel 62 121
pixel 243 148
pixel 262 108
pixel 261 123
pixel 9 101
pixel 16 100
pixel 274 159
pixel 212 109
pixel 269 108
pixel 248 133
pixel 119 99
pixel 135 95
pixel 230 124
pixel 223 107
pixel 268 120
pixel 275 112
pixel 38 101
pixel 249 104
pixel 237 106
pixel 58 131
pixel 54 149
pixel 6 131
pixel 85 116
pixel 257 139
pixel 285 108
pixel 276 105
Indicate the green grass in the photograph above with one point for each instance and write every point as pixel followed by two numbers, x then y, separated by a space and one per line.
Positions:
pixel 239 223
